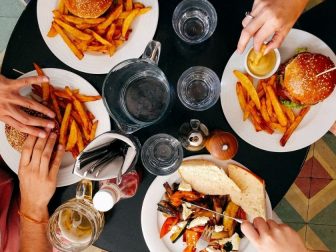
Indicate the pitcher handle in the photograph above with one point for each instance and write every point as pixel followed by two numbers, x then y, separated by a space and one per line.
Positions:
pixel 84 190
pixel 152 51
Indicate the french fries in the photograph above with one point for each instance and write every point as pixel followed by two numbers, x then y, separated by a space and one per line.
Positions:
pixel 72 140
pixel 68 41
pixel 45 85
pixel 72 115
pixel 248 85
pixel 102 35
pixel 271 116
pixel 276 106
pixel 293 126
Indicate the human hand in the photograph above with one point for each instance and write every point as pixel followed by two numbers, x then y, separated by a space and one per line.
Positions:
pixel 269 18
pixel 271 236
pixel 38 174
pixel 333 129
pixel 11 101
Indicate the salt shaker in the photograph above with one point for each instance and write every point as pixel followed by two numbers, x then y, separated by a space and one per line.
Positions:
pixel 110 192
pixel 193 135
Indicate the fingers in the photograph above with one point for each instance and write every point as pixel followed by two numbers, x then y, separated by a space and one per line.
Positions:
pixel 37 154
pixel 24 82
pixel 56 163
pixel 249 231
pixel 46 155
pixel 248 32
pixel 262 35
pixel 272 224
pixel 27 150
pixel 30 130
pixel 276 41
pixel 27 119
pixel 34 105
pixel 261 225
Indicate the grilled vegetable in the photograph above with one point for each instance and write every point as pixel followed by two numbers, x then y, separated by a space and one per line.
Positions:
pixel 169 190
pixel 165 207
pixel 229 224
pixel 219 235
pixel 167 225
pixel 175 236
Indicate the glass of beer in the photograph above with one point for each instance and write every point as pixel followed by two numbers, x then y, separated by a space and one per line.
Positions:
pixel 75 225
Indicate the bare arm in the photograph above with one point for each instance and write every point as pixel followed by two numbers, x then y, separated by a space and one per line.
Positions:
pixel 37 175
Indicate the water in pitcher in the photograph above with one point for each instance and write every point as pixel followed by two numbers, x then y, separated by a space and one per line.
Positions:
pixel 145 98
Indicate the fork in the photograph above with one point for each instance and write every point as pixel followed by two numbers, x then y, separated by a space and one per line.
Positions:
pixel 205 238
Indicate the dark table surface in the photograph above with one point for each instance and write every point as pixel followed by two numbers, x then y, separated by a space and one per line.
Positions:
pixel 122 232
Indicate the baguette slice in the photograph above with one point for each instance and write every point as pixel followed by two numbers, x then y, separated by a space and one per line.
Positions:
pixel 206 177
pixel 252 197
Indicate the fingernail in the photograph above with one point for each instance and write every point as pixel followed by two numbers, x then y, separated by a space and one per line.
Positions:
pixel 45 79
pixel 51 125
pixel 52 135
pixel 51 115
pixel 42 134
pixel 60 147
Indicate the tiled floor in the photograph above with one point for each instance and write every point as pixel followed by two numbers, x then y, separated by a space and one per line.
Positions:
pixel 309 206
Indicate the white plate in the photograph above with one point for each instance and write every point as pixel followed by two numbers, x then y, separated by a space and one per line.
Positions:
pixel 315 124
pixel 152 219
pixel 144 28
pixel 59 78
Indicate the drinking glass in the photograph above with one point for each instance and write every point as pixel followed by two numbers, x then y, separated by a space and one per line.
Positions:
pixel 162 154
pixel 75 225
pixel 194 21
pixel 198 88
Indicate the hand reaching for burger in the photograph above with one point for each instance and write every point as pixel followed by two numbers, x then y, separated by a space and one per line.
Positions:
pixel 269 18
pixel 271 236
pixel 11 103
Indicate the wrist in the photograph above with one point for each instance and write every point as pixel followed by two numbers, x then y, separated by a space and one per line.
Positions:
pixel 35 212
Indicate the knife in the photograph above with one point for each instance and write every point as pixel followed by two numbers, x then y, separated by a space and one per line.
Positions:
pixel 206 209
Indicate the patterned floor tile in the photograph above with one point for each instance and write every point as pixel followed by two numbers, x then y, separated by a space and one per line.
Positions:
pixel 7 26
pixel 304 185
pixel 313 241
pixel 287 213
pixel 321 237
pixel 325 157
pixel 11 8
pixel 322 199
pixel 306 171
pixel 317 185
pixel 326 216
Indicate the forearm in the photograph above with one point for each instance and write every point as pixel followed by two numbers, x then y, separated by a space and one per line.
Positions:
pixel 33 236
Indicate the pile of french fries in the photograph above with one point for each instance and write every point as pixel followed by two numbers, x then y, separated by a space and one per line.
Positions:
pixel 77 124
pixel 96 35
pixel 262 106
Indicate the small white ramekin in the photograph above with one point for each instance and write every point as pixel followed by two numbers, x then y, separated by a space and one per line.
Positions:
pixel 276 66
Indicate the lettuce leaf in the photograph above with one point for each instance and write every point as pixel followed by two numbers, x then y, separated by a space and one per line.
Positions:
pixel 291 105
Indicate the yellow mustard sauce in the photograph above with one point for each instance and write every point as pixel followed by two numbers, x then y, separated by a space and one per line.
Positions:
pixel 265 64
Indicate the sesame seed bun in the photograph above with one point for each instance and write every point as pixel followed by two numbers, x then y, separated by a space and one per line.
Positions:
pixel 300 81
pixel 88 8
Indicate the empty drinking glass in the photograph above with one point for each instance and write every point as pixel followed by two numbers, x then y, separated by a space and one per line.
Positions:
pixel 198 88
pixel 194 21
pixel 162 154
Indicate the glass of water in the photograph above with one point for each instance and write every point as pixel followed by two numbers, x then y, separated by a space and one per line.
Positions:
pixel 198 88
pixel 162 154
pixel 194 21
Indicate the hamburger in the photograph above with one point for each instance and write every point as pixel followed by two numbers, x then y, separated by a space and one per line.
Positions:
pixel 17 138
pixel 299 85
pixel 88 8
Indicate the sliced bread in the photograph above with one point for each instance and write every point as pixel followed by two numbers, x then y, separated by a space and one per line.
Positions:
pixel 206 177
pixel 252 195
